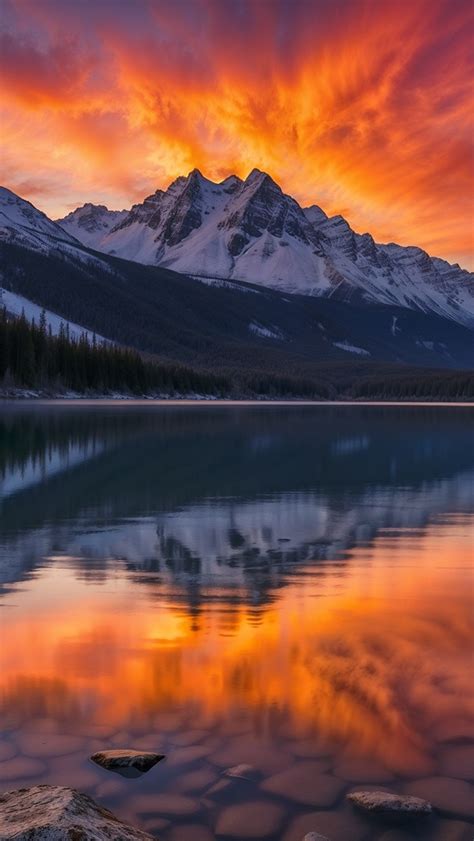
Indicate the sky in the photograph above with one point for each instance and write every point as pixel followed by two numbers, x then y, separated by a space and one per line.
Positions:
pixel 363 107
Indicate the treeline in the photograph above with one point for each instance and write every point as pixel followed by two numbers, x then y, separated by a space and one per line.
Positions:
pixel 31 357
pixel 426 385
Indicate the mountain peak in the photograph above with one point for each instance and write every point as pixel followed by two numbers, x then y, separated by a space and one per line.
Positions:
pixel 251 230
pixel 258 177
pixel 196 174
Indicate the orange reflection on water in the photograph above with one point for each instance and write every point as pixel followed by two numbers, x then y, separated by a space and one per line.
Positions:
pixel 371 656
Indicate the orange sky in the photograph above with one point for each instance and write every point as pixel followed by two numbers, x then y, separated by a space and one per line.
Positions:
pixel 361 106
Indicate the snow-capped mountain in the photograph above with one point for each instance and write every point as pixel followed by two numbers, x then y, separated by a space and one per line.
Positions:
pixel 91 222
pixel 250 230
pixel 197 319
pixel 22 223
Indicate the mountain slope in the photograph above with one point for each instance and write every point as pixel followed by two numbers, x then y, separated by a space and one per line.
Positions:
pixel 214 323
pixel 251 231
pixel 230 325
pixel 91 222
pixel 23 223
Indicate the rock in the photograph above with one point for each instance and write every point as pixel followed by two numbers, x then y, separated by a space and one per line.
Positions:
pixel 385 803
pixel 7 750
pixel 195 781
pixel 21 768
pixel 56 813
pixel 190 832
pixel 315 836
pixel 335 825
pixel 454 798
pixel 309 749
pixel 458 761
pixel 242 772
pixel 452 831
pixel 188 737
pixel 454 730
pixel 164 804
pixel 188 755
pixel 254 819
pixel 362 771
pixel 249 750
pixel 304 783
pixel 45 745
pixel 126 761
pixel 169 722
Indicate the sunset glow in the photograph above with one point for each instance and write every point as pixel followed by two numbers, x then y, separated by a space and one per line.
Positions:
pixel 348 654
pixel 359 106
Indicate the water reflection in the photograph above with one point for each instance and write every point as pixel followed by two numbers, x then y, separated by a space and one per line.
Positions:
pixel 285 584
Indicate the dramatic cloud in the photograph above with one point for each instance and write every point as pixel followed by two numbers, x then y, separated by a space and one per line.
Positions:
pixel 360 106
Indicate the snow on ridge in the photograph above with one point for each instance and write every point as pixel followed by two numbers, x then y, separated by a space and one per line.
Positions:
pixel 266 332
pixel 219 282
pixel 16 304
pixel 351 348
pixel 251 231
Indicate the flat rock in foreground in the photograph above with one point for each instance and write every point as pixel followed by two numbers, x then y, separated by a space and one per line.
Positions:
pixel 121 760
pixel 56 813
pixel 385 803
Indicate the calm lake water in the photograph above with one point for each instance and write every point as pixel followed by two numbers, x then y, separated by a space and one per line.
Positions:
pixel 288 587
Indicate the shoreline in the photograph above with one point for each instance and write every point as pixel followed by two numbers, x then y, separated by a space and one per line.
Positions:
pixel 71 399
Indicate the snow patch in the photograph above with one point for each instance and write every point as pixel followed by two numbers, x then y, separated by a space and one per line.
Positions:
pixel 351 348
pixel 16 304
pixel 266 332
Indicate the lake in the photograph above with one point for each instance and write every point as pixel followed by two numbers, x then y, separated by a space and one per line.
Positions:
pixel 288 587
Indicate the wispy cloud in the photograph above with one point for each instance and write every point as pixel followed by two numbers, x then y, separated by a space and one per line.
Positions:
pixel 360 106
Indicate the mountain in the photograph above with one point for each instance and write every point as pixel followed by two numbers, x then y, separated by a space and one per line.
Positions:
pixel 22 223
pixel 91 222
pixel 251 231
pixel 214 324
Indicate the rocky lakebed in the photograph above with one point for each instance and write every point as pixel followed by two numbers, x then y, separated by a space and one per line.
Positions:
pixel 297 792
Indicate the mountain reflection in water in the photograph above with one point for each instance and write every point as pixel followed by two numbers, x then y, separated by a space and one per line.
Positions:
pixel 295 579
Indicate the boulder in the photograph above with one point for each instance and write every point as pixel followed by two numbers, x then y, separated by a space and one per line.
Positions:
pixel 56 813
pixel 126 762
pixel 385 803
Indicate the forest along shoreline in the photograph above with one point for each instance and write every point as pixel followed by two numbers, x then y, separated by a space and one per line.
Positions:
pixel 34 363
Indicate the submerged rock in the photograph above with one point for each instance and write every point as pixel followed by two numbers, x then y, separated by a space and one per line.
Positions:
pixel 56 813
pixel 306 784
pixel 454 798
pixel 126 762
pixel 242 772
pixel 253 819
pixel 385 803
pixel 315 836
